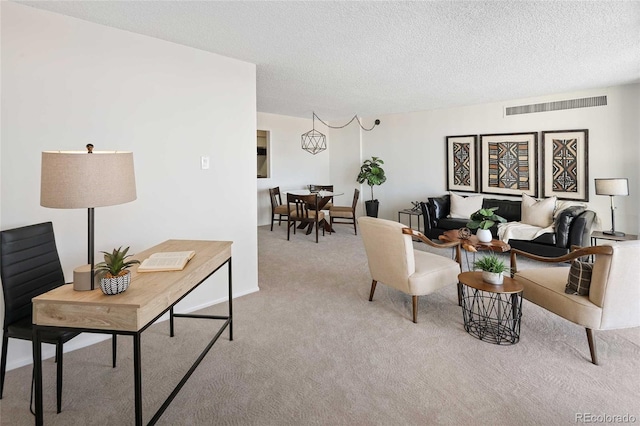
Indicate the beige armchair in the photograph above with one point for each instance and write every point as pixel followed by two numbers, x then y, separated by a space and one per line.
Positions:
pixel 394 262
pixel 614 294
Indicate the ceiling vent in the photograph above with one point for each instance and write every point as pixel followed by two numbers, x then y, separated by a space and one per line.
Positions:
pixel 558 105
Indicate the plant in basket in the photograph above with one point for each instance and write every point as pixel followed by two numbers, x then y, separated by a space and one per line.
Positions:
pixel 114 273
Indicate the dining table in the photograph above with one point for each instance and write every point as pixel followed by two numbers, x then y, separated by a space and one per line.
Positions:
pixel 323 199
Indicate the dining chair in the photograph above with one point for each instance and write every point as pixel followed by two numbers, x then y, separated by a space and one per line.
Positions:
pixel 316 188
pixel 603 295
pixel 345 214
pixel 30 266
pixel 393 260
pixel 277 208
pixel 304 209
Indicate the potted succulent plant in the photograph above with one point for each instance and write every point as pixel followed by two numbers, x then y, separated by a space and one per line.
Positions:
pixel 483 220
pixel 114 273
pixel 372 173
pixel 492 268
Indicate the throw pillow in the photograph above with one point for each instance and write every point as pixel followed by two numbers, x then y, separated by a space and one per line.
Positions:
pixel 463 207
pixel 579 278
pixel 538 212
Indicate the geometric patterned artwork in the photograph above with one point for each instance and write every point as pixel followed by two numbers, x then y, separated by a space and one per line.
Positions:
pixel 462 163
pixel 565 164
pixel 564 160
pixel 509 163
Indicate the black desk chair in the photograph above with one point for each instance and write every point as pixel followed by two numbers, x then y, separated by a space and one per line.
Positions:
pixel 30 266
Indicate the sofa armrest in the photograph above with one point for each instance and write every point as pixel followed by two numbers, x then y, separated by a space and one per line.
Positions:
pixel 435 209
pixel 580 232
pixel 563 225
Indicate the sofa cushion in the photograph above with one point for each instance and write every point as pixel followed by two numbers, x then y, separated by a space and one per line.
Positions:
pixel 579 278
pixel 545 287
pixel 464 207
pixel 538 212
pixel 508 209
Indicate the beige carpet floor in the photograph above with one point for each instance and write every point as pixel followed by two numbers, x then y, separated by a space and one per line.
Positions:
pixel 310 349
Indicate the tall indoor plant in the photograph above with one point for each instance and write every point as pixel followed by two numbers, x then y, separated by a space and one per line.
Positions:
pixel 372 173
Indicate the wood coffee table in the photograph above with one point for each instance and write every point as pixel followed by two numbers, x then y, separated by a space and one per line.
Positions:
pixel 472 243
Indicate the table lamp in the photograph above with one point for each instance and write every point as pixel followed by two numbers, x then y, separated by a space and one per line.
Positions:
pixel 86 179
pixel 611 187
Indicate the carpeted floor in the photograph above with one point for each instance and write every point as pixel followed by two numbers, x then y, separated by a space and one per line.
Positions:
pixel 310 349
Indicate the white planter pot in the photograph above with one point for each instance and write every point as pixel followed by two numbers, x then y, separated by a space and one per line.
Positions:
pixel 484 235
pixel 492 278
pixel 115 285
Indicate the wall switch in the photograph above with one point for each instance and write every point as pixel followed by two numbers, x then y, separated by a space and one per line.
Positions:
pixel 204 163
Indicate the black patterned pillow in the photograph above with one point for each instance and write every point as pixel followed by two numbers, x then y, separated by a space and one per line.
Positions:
pixel 579 278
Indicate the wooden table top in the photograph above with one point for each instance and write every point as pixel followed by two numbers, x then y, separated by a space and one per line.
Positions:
pixel 474 279
pixel 473 244
pixel 149 294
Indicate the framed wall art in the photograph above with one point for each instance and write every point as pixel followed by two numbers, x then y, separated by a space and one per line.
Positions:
pixel 565 164
pixel 508 163
pixel 462 174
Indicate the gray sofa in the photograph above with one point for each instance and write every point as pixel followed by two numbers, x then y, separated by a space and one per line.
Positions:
pixel 572 226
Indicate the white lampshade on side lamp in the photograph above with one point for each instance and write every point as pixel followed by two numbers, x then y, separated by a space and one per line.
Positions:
pixel 86 179
pixel 612 187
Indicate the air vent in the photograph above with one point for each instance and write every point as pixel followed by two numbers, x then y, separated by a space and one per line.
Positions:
pixel 558 105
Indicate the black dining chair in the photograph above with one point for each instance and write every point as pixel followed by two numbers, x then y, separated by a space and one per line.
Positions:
pixel 30 266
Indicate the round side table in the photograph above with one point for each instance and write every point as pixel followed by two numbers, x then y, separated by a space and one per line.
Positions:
pixel 491 312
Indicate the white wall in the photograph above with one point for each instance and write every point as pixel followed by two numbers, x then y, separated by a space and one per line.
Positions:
pixel 413 147
pixel 66 82
pixel 291 167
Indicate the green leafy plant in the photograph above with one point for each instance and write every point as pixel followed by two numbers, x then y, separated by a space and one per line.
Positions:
pixel 484 219
pixel 372 173
pixel 115 263
pixel 490 263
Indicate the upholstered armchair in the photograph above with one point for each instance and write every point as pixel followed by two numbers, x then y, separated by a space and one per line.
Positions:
pixel 612 300
pixel 394 262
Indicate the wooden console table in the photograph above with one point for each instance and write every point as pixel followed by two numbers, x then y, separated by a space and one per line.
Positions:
pixel 149 296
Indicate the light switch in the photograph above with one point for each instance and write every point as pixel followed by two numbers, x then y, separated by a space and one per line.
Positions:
pixel 204 163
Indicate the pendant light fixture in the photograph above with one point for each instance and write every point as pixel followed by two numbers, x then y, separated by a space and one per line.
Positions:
pixel 314 141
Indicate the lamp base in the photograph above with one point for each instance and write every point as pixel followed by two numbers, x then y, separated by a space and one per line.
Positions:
pixel 614 233
pixel 82 278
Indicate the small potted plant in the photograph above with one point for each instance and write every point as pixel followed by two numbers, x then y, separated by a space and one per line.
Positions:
pixel 114 273
pixel 483 220
pixel 372 173
pixel 492 269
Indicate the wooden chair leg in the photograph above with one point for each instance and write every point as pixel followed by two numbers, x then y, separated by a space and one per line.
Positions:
pixel 354 225
pixel 592 346
pixel 272 219
pixel 373 289
pixel 415 308
pixel 59 378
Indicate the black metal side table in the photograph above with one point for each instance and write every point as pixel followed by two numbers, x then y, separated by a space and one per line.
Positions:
pixel 491 312
pixel 412 213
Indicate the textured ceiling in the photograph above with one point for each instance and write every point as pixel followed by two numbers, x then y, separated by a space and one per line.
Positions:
pixel 369 58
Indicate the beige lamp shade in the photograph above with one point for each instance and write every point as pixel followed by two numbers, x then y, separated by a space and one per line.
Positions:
pixel 77 179
pixel 614 186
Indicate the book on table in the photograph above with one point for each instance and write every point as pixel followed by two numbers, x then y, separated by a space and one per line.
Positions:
pixel 166 261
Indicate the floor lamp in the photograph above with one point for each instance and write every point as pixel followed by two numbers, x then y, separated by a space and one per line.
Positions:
pixel 611 187
pixel 86 179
